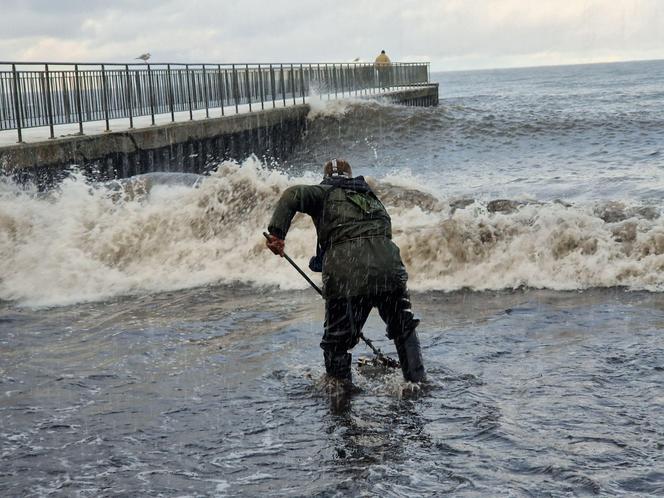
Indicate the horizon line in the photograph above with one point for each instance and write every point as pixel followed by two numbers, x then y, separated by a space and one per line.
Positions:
pixel 499 68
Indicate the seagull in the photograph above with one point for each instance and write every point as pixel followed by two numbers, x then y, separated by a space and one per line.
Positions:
pixel 356 59
pixel 144 57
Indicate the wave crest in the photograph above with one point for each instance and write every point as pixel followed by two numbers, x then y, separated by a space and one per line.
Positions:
pixel 157 233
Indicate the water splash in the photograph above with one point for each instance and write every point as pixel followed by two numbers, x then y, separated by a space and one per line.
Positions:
pixel 155 233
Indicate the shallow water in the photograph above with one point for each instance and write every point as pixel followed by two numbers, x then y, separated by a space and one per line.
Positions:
pixel 218 391
pixel 150 346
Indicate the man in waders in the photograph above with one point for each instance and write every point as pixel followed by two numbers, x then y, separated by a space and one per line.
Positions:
pixel 361 266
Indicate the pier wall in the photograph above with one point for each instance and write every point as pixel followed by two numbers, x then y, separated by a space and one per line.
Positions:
pixel 188 146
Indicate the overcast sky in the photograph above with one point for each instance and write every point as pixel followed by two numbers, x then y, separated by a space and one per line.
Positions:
pixel 452 34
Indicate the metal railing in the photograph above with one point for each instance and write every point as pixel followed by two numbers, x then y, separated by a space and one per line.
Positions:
pixel 49 94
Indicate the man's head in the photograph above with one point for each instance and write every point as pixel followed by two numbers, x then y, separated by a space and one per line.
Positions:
pixel 337 168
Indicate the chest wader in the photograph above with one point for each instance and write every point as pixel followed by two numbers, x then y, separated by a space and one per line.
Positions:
pixel 349 215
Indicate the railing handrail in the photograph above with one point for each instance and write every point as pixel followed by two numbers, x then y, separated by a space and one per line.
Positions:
pixel 35 94
pixel 223 64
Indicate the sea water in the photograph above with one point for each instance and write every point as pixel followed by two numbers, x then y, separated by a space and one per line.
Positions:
pixel 150 345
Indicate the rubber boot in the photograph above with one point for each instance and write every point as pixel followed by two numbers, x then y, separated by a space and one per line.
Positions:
pixel 410 357
pixel 338 365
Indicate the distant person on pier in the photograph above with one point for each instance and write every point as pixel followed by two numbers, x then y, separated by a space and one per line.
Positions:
pixel 362 267
pixel 383 66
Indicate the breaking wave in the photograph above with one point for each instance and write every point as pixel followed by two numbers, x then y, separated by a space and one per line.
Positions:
pixel 159 232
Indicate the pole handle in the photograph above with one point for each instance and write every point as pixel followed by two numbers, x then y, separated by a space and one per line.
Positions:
pixel 299 270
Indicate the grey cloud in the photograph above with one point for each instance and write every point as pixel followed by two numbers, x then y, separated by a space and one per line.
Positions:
pixel 453 33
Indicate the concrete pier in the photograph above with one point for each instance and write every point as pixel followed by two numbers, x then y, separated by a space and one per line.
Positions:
pixel 188 146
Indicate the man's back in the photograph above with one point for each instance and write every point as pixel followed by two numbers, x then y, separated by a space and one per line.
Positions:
pixel 354 231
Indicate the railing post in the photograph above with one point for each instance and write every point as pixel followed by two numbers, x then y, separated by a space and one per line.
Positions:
pixel 273 87
pixel 79 104
pixel 207 93
pixel 171 97
pixel 355 83
pixel 104 87
pixel 191 111
pixel 347 82
pixel 17 107
pixel 334 73
pixel 235 89
pixel 283 85
pixel 221 89
pixel 151 93
pixel 302 81
pixel 49 102
pixel 247 85
pixel 292 80
pixel 320 82
pixel 260 82
pixel 309 74
pixel 129 102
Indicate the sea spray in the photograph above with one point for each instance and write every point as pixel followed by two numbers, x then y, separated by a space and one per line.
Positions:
pixel 86 242
pixel 80 243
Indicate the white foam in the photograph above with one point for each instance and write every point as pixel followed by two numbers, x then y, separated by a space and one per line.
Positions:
pixel 83 244
pixel 321 107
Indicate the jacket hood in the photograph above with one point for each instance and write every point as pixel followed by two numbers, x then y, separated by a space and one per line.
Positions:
pixel 358 183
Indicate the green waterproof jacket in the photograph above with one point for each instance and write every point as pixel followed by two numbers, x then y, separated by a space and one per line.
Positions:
pixel 354 233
